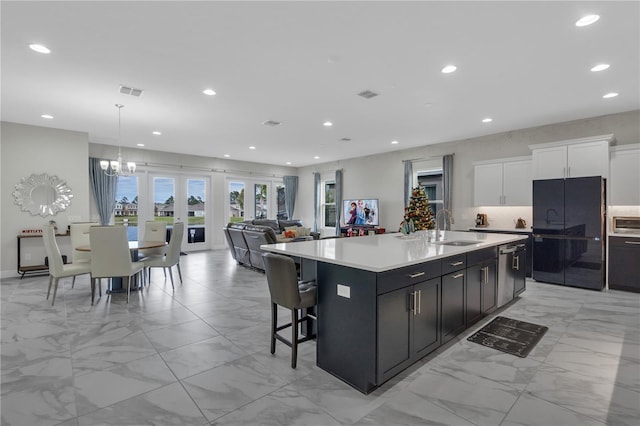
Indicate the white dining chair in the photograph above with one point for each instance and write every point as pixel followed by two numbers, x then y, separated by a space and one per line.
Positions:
pixel 154 231
pixel 172 256
pixel 57 269
pixel 110 255
pixel 79 233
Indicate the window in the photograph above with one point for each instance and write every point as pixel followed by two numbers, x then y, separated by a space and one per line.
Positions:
pixel 329 205
pixel 432 183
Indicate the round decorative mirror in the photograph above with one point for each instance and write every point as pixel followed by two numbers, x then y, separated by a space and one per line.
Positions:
pixel 42 195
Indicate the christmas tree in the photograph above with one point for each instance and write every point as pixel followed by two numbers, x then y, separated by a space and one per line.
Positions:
pixel 418 215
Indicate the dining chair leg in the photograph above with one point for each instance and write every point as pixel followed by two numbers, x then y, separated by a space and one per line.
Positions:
pixel 93 290
pixel 170 276
pixel 55 290
pixel 73 281
pixel 179 272
pixel 127 280
pixel 294 337
pixel 274 325
pixel 50 283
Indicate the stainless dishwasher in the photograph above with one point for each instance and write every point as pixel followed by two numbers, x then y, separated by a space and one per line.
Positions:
pixel 511 269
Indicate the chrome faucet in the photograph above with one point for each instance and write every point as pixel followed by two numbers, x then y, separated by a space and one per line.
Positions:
pixel 451 221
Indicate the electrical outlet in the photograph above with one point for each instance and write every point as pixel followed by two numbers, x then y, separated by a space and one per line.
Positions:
pixel 27 256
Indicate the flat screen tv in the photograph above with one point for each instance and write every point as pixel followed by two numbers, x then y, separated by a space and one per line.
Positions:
pixel 361 212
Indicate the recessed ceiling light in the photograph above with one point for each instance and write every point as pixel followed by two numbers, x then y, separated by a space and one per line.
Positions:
pixel 226 155
pixel 600 67
pixel 39 48
pixel 288 162
pixel 394 142
pixel 209 92
pixel 449 69
pixel 157 133
pixel 327 124
pixel 252 147
pixel 47 116
pixel 610 95
pixel 316 158
pixel 140 144
pixel 587 20
pixel 487 120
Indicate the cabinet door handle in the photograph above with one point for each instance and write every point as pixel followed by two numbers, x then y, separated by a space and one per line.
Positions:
pixel 413 294
pixel 456 276
pixel 456 263
pixel 483 276
pixel 637 243
pixel 416 275
pixel 516 263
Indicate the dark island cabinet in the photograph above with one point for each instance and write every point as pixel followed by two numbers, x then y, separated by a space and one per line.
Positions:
pixel 408 326
pixel 453 304
pixel 481 284
pixel 624 264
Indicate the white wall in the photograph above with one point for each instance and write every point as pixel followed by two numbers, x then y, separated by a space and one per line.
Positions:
pixel 381 176
pixel 29 149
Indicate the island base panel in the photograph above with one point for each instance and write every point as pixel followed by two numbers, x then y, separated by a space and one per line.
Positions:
pixel 346 344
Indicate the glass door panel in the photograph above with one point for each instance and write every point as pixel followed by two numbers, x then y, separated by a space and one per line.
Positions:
pixel 163 195
pixel 261 207
pixel 126 209
pixel 196 211
pixel 236 201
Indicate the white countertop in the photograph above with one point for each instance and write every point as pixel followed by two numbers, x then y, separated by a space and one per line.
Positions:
pixel 489 229
pixel 383 252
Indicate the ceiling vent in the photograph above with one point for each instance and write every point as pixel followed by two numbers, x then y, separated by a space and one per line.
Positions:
pixel 368 94
pixel 346 139
pixel 272 123
pixel 125 90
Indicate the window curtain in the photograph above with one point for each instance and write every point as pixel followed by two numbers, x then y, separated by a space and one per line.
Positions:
pixel 290 192
pixel 104 190
pixel 408 181
pixel 316 200
pixel 447 173
pixel 338 200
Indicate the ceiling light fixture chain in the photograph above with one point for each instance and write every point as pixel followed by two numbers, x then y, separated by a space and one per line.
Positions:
pixel 115 167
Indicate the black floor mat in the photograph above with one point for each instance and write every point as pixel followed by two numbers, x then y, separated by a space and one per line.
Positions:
pixel 508 335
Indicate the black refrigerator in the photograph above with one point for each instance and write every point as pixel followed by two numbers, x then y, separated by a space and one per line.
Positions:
pixel 569 231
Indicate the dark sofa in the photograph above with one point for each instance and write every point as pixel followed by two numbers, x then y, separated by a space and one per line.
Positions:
pixel 245 238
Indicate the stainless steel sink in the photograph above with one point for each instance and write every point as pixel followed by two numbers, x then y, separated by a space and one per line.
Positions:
pixel 456 243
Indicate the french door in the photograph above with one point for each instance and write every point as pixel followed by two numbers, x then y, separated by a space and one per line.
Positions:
pixel 249 199
pixel 183 198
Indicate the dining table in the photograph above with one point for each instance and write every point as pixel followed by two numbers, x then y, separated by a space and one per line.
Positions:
pixel 134 247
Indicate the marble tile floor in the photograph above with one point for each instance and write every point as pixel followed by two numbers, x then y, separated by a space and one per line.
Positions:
pixel 199 355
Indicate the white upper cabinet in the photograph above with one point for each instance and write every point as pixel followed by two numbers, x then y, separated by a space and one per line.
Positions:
pixel 572 158
pixel 504 182
pixel 624 176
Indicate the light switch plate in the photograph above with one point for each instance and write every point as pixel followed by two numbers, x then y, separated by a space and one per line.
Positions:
pixel 344 291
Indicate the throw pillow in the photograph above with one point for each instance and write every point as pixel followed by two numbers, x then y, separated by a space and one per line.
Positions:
pixel 290 233
pixel 303 232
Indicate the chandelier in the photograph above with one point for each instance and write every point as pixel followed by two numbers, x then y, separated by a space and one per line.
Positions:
pixel 115 167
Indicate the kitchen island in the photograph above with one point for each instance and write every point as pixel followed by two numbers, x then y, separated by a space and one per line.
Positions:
pixel 385 301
